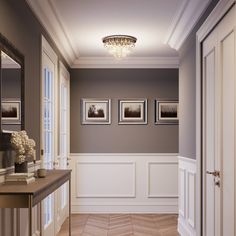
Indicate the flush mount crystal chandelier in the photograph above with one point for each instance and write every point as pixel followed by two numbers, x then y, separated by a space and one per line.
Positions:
pixel 119 45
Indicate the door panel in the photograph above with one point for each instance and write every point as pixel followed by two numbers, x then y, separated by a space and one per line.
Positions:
pixel 218 63
pixel 209 68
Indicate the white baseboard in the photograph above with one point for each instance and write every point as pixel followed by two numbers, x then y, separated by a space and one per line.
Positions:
pixel 127 182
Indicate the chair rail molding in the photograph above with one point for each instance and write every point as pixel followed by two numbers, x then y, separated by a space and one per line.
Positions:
pixel 124 182
pixel 187 196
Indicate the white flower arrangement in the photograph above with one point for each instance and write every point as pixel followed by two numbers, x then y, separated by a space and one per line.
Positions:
pixel 22 145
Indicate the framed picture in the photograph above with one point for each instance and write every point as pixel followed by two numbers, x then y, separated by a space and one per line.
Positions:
pixel 11 112
pixel 166 112
pixel 133 111
pixel 96 111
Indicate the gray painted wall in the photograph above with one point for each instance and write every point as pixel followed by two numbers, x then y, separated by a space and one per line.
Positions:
pixel 187 91
pixel 11 83
pixel 22 29
pixel 117 84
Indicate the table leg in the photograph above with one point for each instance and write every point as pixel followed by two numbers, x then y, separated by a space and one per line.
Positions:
pixel 30 206
pixel 40 218
pixel 69 207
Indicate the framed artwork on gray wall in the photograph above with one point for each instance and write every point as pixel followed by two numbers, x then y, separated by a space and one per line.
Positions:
pixel 11 109
pixel 166 111
pixel 96 111
pixel 133 111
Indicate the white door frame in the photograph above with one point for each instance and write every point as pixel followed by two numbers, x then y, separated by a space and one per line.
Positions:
pixel 64 77
pixel 216 15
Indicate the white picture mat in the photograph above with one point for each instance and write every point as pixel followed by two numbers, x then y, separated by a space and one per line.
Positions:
pixel 134 106
pixel 162 105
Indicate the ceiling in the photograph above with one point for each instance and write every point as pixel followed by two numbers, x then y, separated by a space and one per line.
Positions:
pixel 78 26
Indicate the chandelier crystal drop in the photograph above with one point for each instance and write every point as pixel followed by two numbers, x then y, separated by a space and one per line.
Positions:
pixel 119 45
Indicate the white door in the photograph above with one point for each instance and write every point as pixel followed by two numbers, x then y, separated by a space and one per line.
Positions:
pixel 63 192
pixel 218 168
pixel 48 129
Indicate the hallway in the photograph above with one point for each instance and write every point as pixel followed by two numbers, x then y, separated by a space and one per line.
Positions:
pixel 122 225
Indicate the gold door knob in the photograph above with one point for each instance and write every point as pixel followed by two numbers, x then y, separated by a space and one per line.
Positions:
pixel 215 173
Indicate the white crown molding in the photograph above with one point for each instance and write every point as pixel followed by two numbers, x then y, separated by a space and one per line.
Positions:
pixel 46 14
pixel 184 21
pixel 218 12
pixel 129 62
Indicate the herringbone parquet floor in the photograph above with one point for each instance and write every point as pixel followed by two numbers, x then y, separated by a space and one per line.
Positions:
pixel 121 225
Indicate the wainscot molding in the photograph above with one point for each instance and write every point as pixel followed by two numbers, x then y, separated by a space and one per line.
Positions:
pixel 124 182
pixel 155 172
pixel 187 197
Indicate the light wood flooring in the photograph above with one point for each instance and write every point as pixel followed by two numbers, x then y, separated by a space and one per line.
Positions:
pixel 121 225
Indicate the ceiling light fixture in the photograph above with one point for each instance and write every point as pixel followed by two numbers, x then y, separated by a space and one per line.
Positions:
pixel 119 45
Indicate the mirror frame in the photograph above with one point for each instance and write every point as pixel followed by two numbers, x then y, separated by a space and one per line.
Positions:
pixel 7 47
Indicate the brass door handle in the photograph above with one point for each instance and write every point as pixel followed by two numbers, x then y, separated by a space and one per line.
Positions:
pixel 215 173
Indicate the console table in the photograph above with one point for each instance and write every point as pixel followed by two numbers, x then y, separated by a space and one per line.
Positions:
pixel 27 196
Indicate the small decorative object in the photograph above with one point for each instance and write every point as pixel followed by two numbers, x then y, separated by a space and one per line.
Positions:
pixel 41 173
pixel 96 111
pixel 119 45
pixel 133 111
pixel 20 178
pixel 166 112
pixel 11 111
pixel 24 147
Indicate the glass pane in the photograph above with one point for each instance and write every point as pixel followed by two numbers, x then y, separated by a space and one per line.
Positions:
pixel 63 195
pixel 48 210
pixel 48 139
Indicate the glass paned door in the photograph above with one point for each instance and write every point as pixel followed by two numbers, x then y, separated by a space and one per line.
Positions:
pixel 48 119
pixel 48 141
pixel 48 129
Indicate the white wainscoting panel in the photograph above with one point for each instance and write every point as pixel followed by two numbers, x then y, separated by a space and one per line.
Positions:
pixel 109 179
pixel 187 197
pixel 120 183
pixel 156 186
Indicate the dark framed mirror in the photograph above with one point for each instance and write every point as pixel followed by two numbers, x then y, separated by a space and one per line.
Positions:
pixel 12 109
